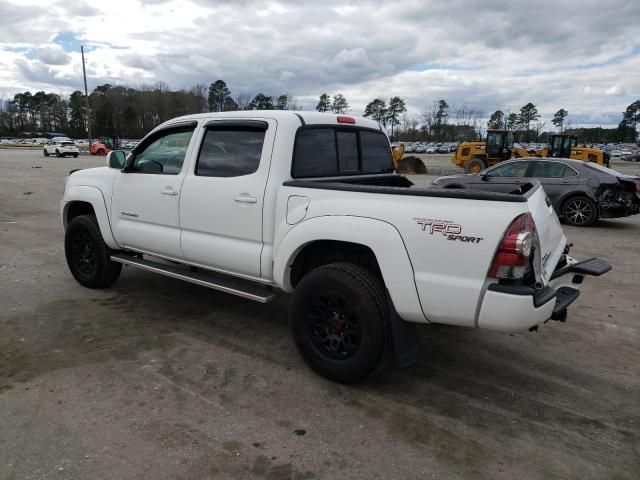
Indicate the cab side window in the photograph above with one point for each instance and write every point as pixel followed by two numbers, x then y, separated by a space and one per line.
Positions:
pixel 164 154
pixel 230 151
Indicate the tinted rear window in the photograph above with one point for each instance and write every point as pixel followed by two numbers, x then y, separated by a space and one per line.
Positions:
pixel 325 152
pixel 315 154
pixel 376 152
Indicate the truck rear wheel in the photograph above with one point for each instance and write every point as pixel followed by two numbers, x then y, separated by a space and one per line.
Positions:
pixel 340 322
pixel 475 165
pixel 87 255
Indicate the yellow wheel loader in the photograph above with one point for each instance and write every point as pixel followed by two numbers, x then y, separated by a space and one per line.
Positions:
pixel 566 146
pixel 476 156
pixel 499 146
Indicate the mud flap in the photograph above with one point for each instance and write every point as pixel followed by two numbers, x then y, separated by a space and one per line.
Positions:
pixel 405 338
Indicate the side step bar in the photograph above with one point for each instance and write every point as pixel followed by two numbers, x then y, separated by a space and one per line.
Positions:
pixel 216 281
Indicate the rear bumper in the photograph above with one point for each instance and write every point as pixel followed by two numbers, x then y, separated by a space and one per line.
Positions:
pixel 516 308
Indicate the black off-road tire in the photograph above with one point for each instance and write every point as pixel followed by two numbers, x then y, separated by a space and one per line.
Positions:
pixel 75 155
pixel 58 153
pixel 353 296
pixel 87 255
pixel 475 165
pixel 45 153
pixel 579 211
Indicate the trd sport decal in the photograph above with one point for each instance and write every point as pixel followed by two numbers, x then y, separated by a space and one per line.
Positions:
pixel 451 231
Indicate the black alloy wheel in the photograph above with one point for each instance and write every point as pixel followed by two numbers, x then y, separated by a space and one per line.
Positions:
pixel 83 253
pixel 334 327
pixel 341 323
pixel 88 257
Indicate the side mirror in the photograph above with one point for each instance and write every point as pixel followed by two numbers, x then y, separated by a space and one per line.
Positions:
pixel 116 159
pixel 484 177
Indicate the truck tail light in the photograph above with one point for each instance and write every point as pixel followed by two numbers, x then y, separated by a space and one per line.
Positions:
pixel 342 119
pixel 512 258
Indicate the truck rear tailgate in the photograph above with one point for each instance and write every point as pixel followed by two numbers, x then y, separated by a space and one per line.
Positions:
pixel 551 238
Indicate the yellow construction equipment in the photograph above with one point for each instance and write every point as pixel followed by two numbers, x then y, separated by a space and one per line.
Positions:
pixel 407 165
pixel 566 146
pixel 499 146
pixel 476 156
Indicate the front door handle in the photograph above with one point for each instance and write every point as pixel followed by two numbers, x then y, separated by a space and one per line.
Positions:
pixel 168 191
pixel 246 199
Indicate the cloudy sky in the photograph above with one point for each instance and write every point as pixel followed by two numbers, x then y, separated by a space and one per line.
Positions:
pixel 582 55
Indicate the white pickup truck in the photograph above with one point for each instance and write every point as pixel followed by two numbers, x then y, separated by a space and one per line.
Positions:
pixel 252 203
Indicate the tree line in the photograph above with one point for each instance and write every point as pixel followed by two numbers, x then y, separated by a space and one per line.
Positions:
pixel 131 112
pixel 125 111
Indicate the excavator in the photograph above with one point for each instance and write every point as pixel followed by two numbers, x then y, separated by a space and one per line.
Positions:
pixel 499 146
pixel 407 165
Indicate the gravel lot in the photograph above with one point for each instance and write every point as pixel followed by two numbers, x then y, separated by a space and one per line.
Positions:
pixel 159 379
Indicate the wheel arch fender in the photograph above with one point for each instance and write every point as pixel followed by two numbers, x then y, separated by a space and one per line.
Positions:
pixel 382 238
pixel 85 194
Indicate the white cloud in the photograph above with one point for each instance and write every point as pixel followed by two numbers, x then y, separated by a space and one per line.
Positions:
pixel 581 55
pixel 53 55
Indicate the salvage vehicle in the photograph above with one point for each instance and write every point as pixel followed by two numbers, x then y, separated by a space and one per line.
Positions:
pixel 255 203
pixel 581 192
pixel 61 148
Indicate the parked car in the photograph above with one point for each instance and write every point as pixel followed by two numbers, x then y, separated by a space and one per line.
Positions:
pixel 430 149
pixel 581 192
pixel 61 148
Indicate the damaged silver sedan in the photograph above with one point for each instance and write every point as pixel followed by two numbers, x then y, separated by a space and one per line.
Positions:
pixel 580 192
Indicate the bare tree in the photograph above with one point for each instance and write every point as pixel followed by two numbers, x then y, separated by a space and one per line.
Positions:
pixel 430 117
pixel 243 100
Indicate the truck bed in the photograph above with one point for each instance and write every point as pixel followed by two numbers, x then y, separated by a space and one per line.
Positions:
pixel 399 185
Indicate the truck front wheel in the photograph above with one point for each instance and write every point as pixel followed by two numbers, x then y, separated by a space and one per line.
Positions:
pixel 340 322
pixel 87 255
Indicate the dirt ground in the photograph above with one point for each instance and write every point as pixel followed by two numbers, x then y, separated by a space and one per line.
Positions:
pixel 158 379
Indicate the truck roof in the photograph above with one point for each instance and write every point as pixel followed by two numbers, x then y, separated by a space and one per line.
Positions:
pixel 308 118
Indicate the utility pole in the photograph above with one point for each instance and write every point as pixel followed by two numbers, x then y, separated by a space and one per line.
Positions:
pixel 86 96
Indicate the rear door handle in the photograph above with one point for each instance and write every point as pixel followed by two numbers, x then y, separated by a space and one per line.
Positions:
pixel 169 191
pixel 246 199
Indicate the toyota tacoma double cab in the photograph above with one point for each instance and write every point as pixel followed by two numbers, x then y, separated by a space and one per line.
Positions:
pixel 255 203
